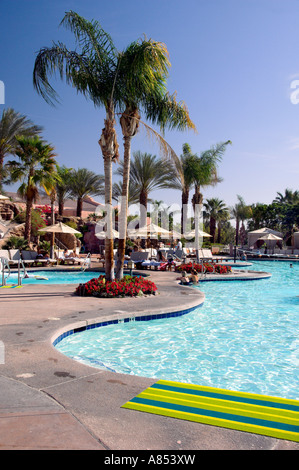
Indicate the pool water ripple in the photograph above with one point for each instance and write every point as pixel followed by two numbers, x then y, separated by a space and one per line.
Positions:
pixel 244 337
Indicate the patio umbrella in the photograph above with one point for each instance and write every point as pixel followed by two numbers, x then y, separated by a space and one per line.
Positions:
pixel 270 237
pixel 201 233
pixel 103 234
pixel 254 235
pixel 197 235
pixel 3 198
pixel 150 230
pixel 58 228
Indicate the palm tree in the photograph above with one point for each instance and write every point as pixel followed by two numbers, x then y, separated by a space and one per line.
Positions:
pixel 184 167
pixel 215 211
pixel 109 79
pixel 148 173
pixel 240 212
pixel 205 173
pixel 36 167
pixel 92 71
pixel 85 182
pixel 289 197
pixel 63 186
pixel 205 170
pixel 143 72
pixel 13 124
pixel 133 194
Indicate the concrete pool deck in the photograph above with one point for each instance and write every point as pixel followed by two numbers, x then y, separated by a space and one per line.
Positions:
pixel 51 402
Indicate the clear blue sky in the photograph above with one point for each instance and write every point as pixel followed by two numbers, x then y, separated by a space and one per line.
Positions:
pixel 233 62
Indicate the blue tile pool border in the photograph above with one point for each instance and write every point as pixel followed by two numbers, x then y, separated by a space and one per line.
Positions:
pixel 154 316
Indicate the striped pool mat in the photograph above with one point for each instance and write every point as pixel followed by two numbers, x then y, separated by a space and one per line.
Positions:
pixel 259 414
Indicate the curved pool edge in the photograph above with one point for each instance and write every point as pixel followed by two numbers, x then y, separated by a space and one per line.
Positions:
pixel 240 275
pixel 154 313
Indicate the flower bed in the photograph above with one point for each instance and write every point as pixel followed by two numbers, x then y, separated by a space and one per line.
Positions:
pixel 209 267
pixel 129 286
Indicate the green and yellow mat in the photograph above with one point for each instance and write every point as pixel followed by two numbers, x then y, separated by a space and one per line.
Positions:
pixel 259 414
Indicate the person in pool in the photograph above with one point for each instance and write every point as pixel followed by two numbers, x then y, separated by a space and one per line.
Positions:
pixel 185 280
pixel 194 276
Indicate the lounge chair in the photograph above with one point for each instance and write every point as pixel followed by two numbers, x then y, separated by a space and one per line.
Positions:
pixel 4 254
pixel 29 256
pixel 139 256
pixel 72 259
pixel 15 256
pixel 206 255
pixel 65 259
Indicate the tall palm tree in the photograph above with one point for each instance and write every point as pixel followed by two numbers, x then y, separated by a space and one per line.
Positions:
pixel 143 73
pixel 205 173
pixel 13 124
pixel 215 211
pixel 92 70
pixel 36 168
pixel 184 167
pixel 109 79
pixel 85 182
pixel 205 170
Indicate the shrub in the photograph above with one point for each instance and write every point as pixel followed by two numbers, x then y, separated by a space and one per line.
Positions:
pixel 18 243
pixel 209 267
pixel 130 286
pixel 37 220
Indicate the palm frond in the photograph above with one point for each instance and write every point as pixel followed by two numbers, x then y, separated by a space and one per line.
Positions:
pixel 90 36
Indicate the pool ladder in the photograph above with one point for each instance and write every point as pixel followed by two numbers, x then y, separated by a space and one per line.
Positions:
pixel 86 263
pixel 6 271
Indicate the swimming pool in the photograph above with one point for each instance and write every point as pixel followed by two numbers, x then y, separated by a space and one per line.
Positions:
pixel 75 276
pixel 244 337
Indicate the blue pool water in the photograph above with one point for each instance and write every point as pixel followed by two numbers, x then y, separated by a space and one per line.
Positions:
pixel 244 337
pixel 54 277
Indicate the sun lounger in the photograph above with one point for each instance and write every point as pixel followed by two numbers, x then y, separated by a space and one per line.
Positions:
pixel 15 256
pixel 73 259
pixel 139 256
pixel 29 256
pixel 206 255
pixel 4 254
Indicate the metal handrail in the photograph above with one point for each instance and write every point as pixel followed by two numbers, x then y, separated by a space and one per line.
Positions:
pixel 86 262
pixel 5 264
pixel 21 262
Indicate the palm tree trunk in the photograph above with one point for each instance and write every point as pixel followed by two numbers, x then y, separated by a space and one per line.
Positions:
pixel 1 170
pixel 109 146
pixel 79 207
pixel 60 206
pixel 29 205
pixel 109 255
pixel 129 125
pixel 143 198
pixel 212 228
pixel 122 225
pixel 197 207
pixel 184 215
pixel 237 231
pixel 219 232
pixel 53 197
